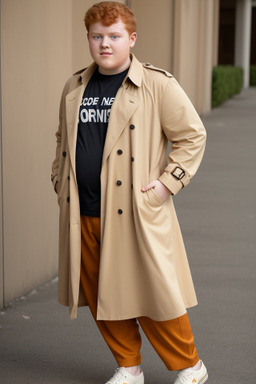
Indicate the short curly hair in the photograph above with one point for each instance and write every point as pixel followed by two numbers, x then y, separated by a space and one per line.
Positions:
pixel 108 13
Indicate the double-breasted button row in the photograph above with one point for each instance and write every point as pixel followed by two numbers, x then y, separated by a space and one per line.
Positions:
pixel 120 152
pixel 132 127
pixel 119 182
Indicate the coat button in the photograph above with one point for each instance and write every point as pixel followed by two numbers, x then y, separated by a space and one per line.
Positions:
pixel 68 177
pixel 119 152
pixel 120 211
pixel 132 126
pixel 119 182
pixel 68 199
pixel 64 153
pixel 132 158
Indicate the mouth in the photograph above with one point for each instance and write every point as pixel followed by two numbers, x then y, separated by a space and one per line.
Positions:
pixel 105 54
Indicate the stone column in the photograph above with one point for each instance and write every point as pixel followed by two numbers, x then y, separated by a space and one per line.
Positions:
pixel 243 37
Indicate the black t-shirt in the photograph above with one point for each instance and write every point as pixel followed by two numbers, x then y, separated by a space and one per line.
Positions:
pixel 94 113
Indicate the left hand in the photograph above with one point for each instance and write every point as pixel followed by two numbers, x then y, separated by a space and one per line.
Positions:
pixel 161 190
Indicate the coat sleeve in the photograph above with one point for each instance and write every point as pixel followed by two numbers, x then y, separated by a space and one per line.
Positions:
pixel 185 130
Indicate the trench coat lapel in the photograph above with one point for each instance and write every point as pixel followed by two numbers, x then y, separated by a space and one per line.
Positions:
pixel 124 107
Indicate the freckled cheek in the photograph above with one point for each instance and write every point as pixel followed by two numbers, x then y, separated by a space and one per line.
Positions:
pixel 94 45
pixel 94 49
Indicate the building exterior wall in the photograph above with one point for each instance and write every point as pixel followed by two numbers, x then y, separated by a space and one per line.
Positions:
pixel 242 38
pixel 194 49
pixel 237 35
pixel 253 35
pixel 180 36
pixel 35 61
pixel 42 43
pixel 155 31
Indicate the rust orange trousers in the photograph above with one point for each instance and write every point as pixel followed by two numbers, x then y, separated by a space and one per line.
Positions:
pixel 172 340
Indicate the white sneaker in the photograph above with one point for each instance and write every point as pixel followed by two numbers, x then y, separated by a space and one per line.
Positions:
pixel 121 376
pixel 189 376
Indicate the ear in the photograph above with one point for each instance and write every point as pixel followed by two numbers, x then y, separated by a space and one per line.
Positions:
pixel 133 38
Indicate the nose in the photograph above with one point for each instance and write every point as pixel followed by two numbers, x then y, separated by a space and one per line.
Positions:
pixel 105 42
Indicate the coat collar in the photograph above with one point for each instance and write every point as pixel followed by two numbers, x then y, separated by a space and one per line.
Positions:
pixel 134 73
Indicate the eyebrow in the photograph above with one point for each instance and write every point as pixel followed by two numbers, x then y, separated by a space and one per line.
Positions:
pixel 111 33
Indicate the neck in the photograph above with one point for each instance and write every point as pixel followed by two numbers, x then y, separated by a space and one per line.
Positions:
pixel 115 71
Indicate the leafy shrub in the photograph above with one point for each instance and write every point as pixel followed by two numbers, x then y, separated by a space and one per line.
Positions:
pixel 227 81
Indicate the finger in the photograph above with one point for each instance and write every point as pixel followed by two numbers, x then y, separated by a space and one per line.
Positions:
pixel 149 186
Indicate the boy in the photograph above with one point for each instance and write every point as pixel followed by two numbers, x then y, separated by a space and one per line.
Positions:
pixel 121 250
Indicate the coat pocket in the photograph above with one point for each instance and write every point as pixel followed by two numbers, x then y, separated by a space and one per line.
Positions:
pixel 152 199
pixel 155 225
pixel 154 196
pixel 154 207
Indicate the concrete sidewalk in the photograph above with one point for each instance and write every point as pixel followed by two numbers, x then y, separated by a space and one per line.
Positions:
pixel 217 213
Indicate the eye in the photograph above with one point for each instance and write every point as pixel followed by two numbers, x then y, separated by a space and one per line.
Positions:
pixel 96 37
pixel 114 37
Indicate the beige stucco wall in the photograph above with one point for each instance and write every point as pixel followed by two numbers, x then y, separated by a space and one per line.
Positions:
pixel 180 36
pixel 36 60
pixel 194 43
pixel 80 51
pixel 155 31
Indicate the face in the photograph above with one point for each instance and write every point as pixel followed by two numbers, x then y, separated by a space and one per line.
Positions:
pixel 110 47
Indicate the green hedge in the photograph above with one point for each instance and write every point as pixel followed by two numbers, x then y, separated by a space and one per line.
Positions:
pixel 227 80
pixel 253 75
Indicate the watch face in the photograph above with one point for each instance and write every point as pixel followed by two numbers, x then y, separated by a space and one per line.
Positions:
pixel 178 173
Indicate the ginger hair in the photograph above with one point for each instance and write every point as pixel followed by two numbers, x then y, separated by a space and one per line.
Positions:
pixel 108 13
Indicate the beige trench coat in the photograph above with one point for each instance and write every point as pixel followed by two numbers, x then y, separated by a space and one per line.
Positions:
pixel 143 267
